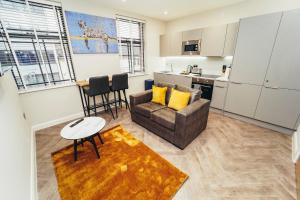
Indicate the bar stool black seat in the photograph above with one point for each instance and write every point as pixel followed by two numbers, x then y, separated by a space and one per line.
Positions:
pixel 98 86
pixel 120 83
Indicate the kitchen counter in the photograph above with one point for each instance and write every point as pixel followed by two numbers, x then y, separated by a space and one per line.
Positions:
pixel 204 76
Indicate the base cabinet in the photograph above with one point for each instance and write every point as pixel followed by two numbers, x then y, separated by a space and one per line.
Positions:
pixel 219 94
pixel 242 99
pixel 279 107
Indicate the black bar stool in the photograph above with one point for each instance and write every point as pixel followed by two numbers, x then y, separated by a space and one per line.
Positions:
pixel 98 86
pixel 120 83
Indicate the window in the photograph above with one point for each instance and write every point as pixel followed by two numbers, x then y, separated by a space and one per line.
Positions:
pixel 34 42
pixel 131 45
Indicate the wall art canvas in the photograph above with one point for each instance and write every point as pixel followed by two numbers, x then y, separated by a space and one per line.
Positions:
pixel 92 34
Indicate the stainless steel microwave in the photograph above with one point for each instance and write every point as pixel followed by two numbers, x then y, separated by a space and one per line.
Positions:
pixel 191 47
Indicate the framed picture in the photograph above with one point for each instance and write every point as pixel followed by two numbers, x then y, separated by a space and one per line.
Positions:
pixel 92 34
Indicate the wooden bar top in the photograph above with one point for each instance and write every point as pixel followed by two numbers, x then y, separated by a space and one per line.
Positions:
pixel 84 83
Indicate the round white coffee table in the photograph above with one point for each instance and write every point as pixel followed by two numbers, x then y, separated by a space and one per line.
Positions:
pixel 84 131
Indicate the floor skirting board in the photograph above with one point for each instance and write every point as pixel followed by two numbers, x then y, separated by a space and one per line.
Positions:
pixel 295 148
pixel 56 121
pixel 255 122
pixel 33 167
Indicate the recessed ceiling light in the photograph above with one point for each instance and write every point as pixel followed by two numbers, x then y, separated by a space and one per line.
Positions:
pixel 124 0
pixel 165 12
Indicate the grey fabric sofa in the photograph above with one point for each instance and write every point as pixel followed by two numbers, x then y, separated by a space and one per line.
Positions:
pixel 178 127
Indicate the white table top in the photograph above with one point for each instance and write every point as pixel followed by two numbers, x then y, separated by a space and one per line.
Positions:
pixel 88 127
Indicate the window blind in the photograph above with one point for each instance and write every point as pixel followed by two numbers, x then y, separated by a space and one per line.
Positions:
pixel 37 38
pixel 131 45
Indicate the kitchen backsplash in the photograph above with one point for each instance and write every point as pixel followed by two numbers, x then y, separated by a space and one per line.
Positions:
pixel 209 65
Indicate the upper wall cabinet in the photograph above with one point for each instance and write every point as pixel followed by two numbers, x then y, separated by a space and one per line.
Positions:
pixel 284 70
pixel 230 40
pixel 192 35
pixel 213 40
pixel 170 44
pixel 254 46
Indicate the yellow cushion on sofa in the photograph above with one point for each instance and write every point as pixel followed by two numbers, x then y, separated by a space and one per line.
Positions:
pixel 179 100
pixel 159 95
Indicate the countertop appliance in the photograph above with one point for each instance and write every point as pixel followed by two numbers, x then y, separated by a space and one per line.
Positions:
pixel 191 47
pixel 206 86
pixel 196 70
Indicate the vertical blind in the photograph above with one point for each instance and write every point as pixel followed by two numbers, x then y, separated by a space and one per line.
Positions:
pixel 131 45
pixel 34 42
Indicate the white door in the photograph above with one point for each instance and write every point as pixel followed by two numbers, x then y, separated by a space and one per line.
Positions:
pixel 279 107
pixel 284 70
pixel 242 99
pixel 213 39
pixel 255 41
pixel 219 94
pixel 192 35
pixel 230 40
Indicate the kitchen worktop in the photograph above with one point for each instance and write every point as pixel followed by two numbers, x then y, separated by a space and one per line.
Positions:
pixel 204 76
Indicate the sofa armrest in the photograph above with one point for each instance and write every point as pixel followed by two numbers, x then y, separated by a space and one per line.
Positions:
pixel 139 98
pixel 190 122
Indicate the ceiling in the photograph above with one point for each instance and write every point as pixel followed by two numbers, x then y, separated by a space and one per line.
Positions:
pixel 174 8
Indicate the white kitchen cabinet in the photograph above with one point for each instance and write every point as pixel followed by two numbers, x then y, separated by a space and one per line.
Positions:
pixel 176 43
pixel 219 94
pixel 284 70
pixel 279 106
pixel 192 35
pixel 170 44
pixel 255 41
pixel 242 99
pixel 230 39
pixel 213 39
pixel 164 46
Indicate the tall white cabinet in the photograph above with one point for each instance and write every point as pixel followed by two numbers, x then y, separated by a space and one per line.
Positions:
pixel 284 70
pixel 254 47
pixel 265 79
pixel 280 97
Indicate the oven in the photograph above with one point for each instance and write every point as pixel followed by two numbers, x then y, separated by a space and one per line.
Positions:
pixel 191 47
pixel 206 86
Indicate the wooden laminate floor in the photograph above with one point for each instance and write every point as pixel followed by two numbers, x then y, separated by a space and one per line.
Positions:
pixel 229 160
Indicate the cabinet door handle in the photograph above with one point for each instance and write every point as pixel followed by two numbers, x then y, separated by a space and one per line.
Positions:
pixel 219 86
pixel 236 82
pixel 272 87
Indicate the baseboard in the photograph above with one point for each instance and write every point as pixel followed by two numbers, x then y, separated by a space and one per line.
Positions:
pixel 33 167
pixel 295 146
pixel 260 123
pixel 57 121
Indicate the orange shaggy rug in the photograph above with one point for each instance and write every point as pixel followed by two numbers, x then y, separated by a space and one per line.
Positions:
pixel 127 169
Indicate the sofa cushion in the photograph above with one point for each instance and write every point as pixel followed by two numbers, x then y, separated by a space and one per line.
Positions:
pixel 169 90
pixel 159 95
pixel 146 109
pixel 195 93
pixel 165 117
pixel 179 99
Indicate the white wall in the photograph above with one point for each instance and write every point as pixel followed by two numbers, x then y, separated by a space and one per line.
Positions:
pixel 15 144
pixel 231 13
pixel 49 105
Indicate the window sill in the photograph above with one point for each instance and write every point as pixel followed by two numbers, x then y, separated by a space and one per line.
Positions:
pixel 31 90
pixel 138 74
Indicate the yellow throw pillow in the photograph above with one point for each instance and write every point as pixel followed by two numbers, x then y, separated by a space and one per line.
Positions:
pixel 159 95
pixel 179 100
